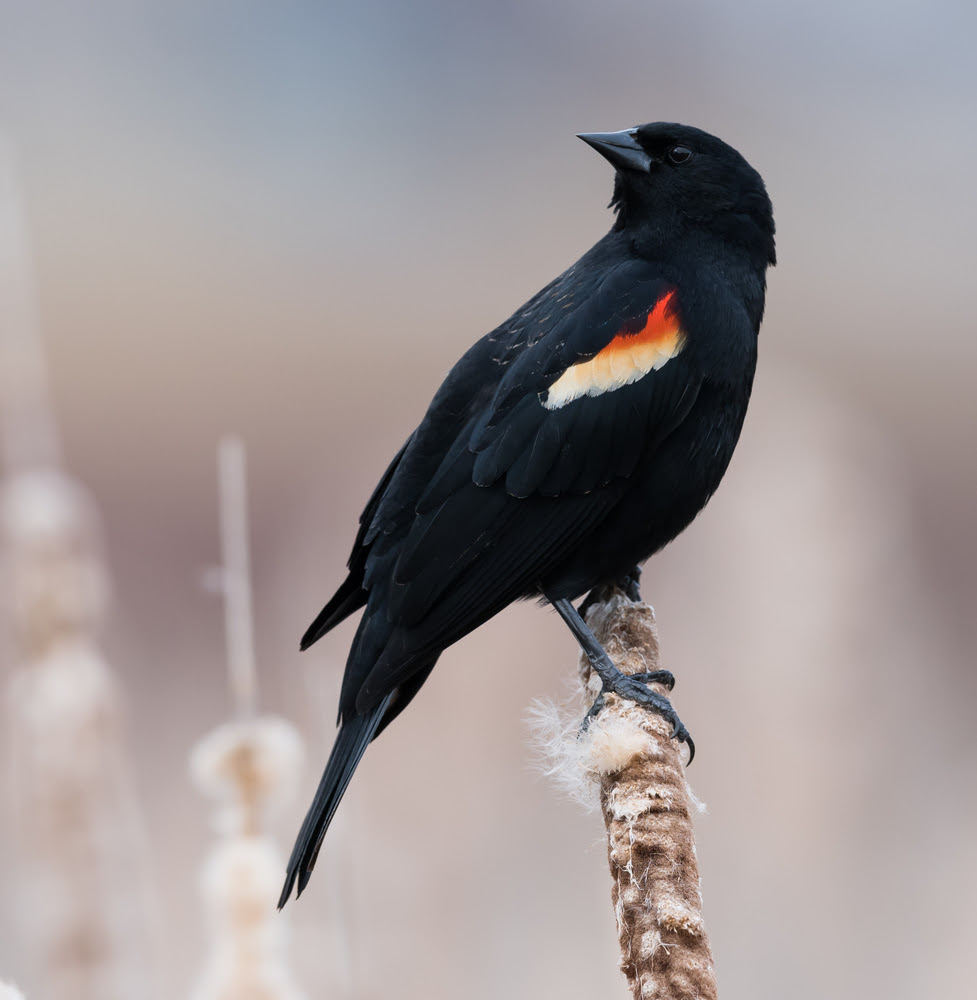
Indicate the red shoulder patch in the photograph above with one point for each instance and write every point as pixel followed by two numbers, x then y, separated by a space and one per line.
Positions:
pixel 629 356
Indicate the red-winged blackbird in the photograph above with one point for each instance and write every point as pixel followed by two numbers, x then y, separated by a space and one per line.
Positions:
pixel 567 445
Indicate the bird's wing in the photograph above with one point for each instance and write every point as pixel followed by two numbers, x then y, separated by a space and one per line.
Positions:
pixel 535 468
pixel 390 509
pixel 577 406
pixel 351 596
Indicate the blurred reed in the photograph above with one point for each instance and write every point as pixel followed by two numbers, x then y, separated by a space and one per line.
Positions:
pixel 246 766
pixel 84 886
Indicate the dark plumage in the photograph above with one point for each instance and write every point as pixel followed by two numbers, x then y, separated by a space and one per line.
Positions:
pixel 567 445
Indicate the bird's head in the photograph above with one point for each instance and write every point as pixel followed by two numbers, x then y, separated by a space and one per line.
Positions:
pixel 675 177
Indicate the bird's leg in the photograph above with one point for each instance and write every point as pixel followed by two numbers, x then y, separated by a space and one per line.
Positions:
pixel 633 686
pixel 630 584
pixel 627 584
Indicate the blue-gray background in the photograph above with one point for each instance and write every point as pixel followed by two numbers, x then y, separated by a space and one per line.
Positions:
pixel 289 219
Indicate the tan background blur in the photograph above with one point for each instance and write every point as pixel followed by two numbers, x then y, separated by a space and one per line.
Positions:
pixel 289 219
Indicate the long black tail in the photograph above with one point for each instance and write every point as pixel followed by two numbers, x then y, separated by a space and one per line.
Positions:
pixel 351 743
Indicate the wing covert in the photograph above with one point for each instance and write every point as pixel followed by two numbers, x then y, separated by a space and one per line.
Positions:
pixel 580 406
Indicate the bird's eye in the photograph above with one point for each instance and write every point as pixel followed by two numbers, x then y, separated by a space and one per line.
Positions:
pixel 680 154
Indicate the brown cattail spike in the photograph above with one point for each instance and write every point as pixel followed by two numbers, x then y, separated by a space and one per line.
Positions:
pixel 647 810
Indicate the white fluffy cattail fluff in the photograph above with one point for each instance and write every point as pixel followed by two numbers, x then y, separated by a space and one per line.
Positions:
pixel 10 992
pixel 577 758
pixel 247 766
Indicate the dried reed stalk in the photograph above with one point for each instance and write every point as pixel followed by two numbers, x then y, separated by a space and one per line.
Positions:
pixel 85 912
pixel 647 809
pixel 87 915
pixel 247 766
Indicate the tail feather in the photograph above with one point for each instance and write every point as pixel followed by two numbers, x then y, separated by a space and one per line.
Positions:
pixel 351 743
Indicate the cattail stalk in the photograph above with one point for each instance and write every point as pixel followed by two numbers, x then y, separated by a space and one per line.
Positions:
pixel 85 902
pixel 647 808
pixel 236 576
pixel 246 766
pixel 28 434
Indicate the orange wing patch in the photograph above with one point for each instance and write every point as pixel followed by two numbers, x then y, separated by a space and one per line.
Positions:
pixel 628 357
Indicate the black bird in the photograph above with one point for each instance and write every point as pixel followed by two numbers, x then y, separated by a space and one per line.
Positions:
pixel 567 445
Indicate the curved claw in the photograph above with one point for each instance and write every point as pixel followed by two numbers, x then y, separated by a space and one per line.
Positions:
pixel 681 734
pixel 664 677
pixel 594 710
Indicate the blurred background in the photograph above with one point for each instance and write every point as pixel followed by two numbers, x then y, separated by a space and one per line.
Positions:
pixel 288 220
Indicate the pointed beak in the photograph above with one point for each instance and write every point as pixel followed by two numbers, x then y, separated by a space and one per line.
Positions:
pixel 621 148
